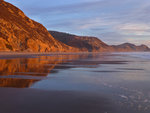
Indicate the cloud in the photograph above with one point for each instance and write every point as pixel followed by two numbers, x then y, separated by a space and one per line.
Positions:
pixel 63 9
pixel 134 28
pixel 95 23
pixel 79 7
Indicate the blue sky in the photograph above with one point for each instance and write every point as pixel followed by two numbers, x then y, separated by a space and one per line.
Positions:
pixel 113 21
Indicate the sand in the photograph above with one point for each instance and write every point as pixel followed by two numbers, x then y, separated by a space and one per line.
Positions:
pixel 8 55
pixel 39 101
pixel 99 80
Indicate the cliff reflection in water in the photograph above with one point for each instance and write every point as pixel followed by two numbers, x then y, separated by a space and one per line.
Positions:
pixel 23 72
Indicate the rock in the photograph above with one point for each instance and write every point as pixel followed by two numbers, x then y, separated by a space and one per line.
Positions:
pixel 20 33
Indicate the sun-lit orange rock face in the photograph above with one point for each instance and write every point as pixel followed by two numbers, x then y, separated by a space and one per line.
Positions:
pixel 20 33
pixel 23 72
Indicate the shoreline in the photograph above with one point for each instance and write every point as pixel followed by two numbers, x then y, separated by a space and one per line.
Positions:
pixel 7 55
pixel 13 55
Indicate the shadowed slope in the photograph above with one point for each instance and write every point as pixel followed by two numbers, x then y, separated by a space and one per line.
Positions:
pixel 93 44
pixel 84 43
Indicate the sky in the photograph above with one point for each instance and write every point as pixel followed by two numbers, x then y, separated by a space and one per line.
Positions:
pixel 112 21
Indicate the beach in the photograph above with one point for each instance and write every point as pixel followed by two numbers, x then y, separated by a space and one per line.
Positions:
pixel 39 101
pixel 75 83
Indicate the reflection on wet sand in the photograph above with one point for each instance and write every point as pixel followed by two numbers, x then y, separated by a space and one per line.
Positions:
pixel 27 66
pixel 20 72
pixel 15 82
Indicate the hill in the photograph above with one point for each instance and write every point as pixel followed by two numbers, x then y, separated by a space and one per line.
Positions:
pixel 127 47
pixel 83 43
pixel 94 44
pixel 20 33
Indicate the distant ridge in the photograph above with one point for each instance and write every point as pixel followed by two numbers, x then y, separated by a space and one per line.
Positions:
pixel 130 47
pixel 93 44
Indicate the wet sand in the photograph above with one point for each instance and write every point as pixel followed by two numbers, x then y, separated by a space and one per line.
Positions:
pixel 26 100
pixel 74 83
pixel 10 55
pixel 40 101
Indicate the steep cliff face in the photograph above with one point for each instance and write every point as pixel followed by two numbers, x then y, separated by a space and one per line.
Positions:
pixel 20 33
pixel 83 43
pixel 93 44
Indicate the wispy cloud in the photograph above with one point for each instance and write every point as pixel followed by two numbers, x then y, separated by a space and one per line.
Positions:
pixel 134 28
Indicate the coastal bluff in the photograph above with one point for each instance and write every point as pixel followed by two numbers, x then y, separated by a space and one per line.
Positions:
pixel 20 33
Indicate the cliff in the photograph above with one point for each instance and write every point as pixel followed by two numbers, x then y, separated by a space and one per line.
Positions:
pixel 20 33
pixel 93 44
pixel 83 43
